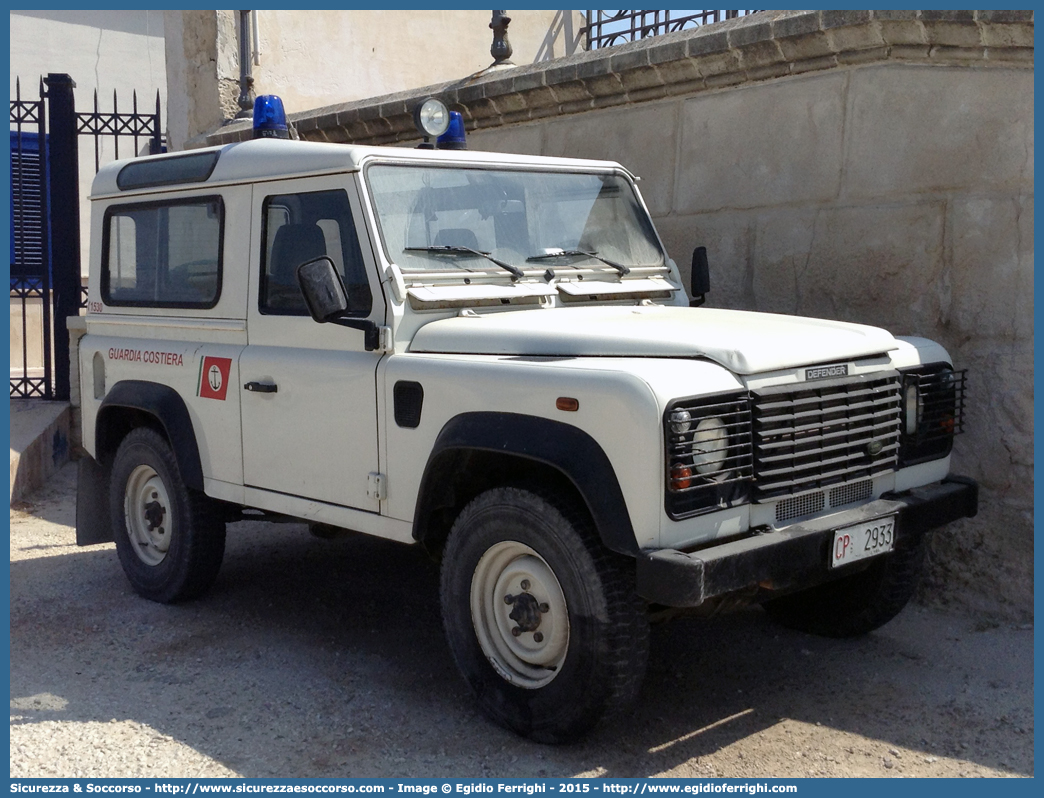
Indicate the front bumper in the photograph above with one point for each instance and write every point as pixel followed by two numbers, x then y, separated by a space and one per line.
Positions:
pixel 797 555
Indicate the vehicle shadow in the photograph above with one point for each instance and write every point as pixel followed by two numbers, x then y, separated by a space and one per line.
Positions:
pixel 326 658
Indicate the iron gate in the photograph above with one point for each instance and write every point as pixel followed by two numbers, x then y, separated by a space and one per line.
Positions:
pixel 45 220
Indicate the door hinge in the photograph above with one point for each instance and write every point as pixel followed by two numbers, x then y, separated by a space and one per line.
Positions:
pixel 376 486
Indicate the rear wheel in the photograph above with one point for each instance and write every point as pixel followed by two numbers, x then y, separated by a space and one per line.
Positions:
pixel 857 604
pixel 169 544
pixel 541 619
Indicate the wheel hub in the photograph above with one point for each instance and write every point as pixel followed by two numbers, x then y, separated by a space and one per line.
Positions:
pixel 525 611
pixel 154 512
pixel 520 615
pixel 146 506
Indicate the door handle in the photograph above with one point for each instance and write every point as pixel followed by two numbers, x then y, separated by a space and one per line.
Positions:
pixel 261 387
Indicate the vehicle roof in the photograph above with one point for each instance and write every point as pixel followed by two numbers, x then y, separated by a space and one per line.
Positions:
pixel 265 159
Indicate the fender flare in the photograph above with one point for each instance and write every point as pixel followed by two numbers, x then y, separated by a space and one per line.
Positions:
pixel 565 448
pixel 166 406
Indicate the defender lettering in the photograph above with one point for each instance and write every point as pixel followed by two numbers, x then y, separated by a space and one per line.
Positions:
pixel 826 372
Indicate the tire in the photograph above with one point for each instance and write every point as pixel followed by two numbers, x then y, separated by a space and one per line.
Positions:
pixel 518 560
pixel 168 543
pixel 858 604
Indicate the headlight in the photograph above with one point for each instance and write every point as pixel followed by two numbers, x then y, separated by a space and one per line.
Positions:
pixel 709 454
pixel 709 447
pixel 911 408
pixel 933 412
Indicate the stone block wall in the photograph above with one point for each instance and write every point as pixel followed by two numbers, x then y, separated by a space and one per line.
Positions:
pixel 869 166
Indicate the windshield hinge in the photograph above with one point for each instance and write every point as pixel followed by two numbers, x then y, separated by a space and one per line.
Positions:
pixel 384 340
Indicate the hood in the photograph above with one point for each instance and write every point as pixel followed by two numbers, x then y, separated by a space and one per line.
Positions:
pixel 741 341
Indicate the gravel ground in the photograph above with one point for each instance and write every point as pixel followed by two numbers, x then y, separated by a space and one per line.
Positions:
pixel 326 659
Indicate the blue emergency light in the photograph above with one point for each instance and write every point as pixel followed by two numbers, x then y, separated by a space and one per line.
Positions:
pixel 453 138
pixel 270 118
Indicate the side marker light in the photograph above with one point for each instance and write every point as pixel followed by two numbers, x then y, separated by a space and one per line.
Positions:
pixel 681 476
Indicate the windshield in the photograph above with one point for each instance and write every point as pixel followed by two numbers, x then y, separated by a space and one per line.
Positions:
pixel 435 218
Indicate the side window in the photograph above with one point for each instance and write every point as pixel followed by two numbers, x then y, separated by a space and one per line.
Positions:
pixel 163 254
pixel 301 227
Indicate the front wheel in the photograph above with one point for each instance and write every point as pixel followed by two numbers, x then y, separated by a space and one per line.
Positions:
pixel 168 543
pixel 541 619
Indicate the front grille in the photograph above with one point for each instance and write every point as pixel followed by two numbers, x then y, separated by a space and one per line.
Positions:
pixel 824 434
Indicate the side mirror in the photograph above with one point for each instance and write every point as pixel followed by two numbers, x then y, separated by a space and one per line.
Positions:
pixel 323 290
pixel 327 300
pixel 700 277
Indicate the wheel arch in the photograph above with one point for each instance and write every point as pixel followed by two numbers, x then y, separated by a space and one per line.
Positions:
pixel 478 450
pixel 135 403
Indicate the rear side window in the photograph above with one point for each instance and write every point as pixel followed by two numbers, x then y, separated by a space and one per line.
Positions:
pixel 163 254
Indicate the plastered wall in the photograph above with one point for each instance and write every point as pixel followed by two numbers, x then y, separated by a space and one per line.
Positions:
pixel 318 58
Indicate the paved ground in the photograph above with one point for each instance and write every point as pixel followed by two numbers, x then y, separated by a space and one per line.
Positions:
pixel 326 658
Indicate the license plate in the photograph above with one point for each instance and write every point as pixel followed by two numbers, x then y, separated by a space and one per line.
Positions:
pixel 864 540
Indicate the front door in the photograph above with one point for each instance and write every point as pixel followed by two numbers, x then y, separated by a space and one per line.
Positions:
pixel 308 393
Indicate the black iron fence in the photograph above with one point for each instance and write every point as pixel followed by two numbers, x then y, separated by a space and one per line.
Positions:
pixel 46 288
pixel 606 28
pixel 30 250
pixel 142 129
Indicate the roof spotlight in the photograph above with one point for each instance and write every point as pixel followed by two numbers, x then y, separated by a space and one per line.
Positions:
pixel 432 119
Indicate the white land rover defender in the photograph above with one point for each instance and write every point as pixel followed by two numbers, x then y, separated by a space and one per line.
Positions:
pixel 493 357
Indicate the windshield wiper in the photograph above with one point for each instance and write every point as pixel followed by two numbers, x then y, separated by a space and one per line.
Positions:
pixel 451 249
pixel 577 253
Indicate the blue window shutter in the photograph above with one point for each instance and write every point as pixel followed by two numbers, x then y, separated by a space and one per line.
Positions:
pixel 27 211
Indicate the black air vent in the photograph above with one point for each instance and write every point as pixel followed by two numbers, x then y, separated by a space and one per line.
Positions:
pixel 408 396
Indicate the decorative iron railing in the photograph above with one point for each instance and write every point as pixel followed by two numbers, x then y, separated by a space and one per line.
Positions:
pixel 138 126
pixel 31 373
pixel 606 28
